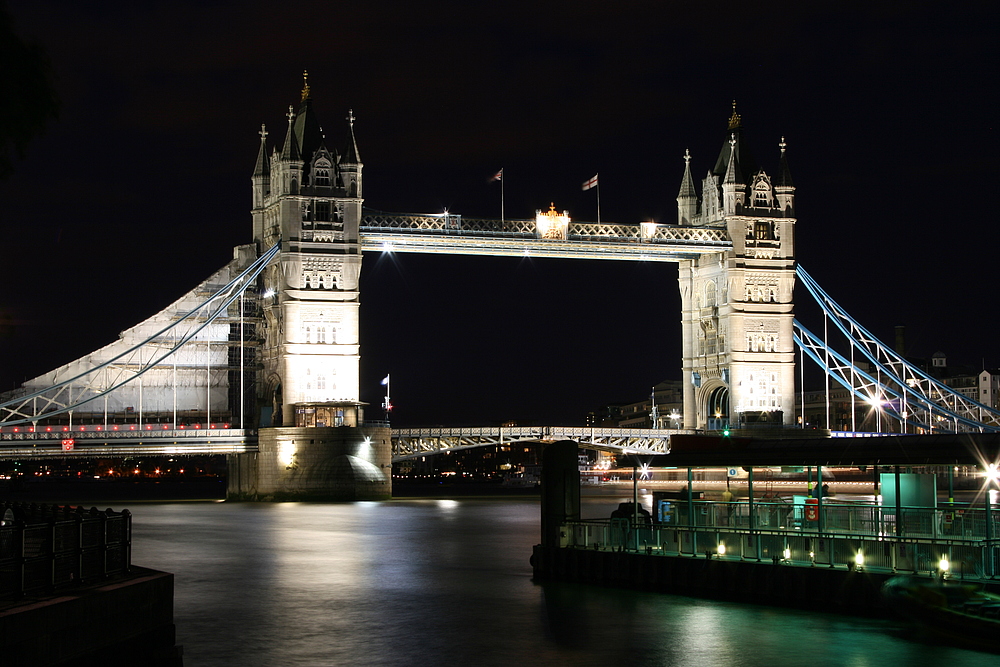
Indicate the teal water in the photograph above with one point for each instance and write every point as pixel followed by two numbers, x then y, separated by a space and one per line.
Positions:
pixel 448 582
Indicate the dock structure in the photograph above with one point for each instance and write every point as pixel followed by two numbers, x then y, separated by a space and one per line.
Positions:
pixel 815 549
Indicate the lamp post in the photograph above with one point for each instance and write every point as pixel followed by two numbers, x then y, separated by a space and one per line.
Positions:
pixel 386 405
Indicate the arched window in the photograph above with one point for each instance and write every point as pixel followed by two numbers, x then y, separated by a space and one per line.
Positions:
pixel 710 294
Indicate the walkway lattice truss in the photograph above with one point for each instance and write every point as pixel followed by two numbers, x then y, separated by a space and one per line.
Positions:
pixel 415 442
pixel 894 385
pixel 102 378
pixel 452 234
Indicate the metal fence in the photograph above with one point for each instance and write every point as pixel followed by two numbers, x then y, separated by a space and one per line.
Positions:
pixel 49 547
pixel 851 535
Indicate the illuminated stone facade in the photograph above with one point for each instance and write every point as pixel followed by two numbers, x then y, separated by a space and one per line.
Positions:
pixel 738 351
pixel 308 196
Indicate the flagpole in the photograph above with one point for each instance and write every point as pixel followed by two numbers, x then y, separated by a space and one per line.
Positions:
pixel 597 175
pixel 501 196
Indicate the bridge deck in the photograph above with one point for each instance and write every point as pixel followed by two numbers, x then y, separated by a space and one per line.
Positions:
pixel 452 234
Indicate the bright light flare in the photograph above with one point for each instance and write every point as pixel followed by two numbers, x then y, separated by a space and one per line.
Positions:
pixel 286 453
pixel 387 247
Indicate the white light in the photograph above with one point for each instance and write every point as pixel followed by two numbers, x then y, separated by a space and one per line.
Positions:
pixel 859 558
pixel 786 554
pixel 286 453
pixel 268 293
pixel 387 247
pixel 721 549
pixel 943 564
pixel 992 472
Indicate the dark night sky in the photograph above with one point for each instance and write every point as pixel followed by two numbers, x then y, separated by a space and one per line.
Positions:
pixel 142 187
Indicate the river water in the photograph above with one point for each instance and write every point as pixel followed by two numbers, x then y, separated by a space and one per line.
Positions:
pixel 448 582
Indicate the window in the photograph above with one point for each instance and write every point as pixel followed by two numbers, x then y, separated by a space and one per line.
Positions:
pixel 322 211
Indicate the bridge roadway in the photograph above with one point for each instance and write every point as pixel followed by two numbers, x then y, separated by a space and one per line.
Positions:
pixel 454 235
pixel 50 442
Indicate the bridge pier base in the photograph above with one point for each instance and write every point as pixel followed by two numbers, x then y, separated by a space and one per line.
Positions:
pixel 314 463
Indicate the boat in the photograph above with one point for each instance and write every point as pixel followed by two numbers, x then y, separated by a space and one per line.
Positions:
pixel 960 612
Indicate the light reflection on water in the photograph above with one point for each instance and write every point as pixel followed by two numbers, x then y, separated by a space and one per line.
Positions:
pixel 432 582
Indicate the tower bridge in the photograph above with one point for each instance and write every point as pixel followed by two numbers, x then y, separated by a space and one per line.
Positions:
pixel 268 346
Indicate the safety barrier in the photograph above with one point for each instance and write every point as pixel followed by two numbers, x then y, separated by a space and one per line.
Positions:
pixel 954 539
pixel 44 548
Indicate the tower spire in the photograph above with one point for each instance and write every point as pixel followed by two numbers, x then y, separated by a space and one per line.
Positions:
pixel 290 151
pixel 687 197
pixel 352 148
pixel 305 85
pixel 260 169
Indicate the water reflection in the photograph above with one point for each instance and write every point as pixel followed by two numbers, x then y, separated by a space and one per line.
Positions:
pixel 449 583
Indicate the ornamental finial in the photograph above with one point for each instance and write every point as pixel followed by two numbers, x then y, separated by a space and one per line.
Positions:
pixel 734 120
pixel 263 132
pixel 291 114
pixel 782 145
pixel 687 156
pixel 305 85
pixel 350 117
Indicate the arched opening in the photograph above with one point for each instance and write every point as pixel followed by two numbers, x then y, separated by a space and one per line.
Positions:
pixel 718 409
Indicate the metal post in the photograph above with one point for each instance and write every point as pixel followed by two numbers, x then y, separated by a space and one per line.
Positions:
pixel 819 498
pixel 635 507
pixel 951 485
pixel 691 520
pixel 208 375
pixel 802 387
pixel 899 505
pixel 826 375
pixel 243 399
pixel 750 508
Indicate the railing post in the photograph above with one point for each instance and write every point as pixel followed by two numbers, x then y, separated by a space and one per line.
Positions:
pixel 127 540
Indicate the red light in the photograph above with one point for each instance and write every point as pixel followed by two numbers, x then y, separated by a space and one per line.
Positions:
pixel 48 428
pixel 31 429
pixel 197 425
pixel 98 428
pixel 149 427
pixel 181 427
pixel 225 426
pixel 165 427
pixel 115 427
pixel 212 426
pixel 132 427
pixel 17 430
pixel 83 428
pixel 65 428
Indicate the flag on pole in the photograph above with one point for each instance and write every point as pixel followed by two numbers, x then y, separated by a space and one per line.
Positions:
pixel 590 183
pixel 385 380
pixel 497 176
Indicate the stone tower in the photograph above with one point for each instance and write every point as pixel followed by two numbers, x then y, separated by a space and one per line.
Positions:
pixel 309 197
pixel 313 441
pixel 737 311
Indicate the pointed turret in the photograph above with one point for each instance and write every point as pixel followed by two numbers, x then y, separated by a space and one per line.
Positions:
pixel 687 197
pixel 290 149
pixel 784 189
pixel 350 165
pixel 732 183
pixel 261 172
pixel 744 160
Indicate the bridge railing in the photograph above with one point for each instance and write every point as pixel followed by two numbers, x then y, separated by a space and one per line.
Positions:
pixel 448 223
pixel 48 548
pixel 915 541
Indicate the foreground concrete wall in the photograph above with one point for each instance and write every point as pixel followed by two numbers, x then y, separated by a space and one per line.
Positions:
pixel 126 622
pixel 320 463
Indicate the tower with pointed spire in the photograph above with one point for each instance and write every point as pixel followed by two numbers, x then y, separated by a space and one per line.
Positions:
pixel 737 310
pixel 308 197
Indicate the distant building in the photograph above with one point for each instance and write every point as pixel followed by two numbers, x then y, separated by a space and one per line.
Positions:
pixel 668 398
